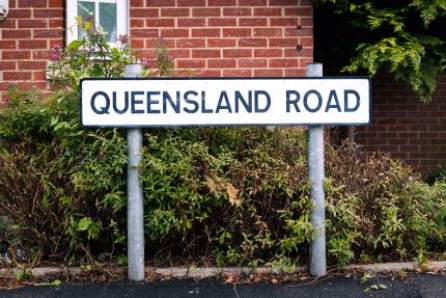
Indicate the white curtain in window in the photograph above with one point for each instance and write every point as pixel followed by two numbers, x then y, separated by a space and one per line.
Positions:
pixel 110 15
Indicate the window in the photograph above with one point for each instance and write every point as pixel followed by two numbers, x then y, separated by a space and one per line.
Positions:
pixel 110 15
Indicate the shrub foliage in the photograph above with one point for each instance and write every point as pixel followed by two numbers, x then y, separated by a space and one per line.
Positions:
pixel 225 196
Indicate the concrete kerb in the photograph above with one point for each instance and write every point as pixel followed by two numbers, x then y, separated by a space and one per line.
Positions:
pixel 209 272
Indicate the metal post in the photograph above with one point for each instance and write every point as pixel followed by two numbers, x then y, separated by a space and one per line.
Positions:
pixel 135 208
pixel 318 262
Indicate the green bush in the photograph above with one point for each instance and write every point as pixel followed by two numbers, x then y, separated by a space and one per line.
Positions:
pixel 378 210
pixel 226 193
pixel 223 196
pixel 54 177
pixel 437 175
pixel 220 195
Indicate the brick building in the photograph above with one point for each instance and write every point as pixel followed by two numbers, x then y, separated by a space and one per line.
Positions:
pixel 218 38
pixel 212 37
pixel 406 128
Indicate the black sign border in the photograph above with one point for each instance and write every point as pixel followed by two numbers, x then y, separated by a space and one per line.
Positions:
pixel 227 78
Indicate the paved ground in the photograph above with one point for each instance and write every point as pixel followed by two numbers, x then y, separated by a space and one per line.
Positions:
pixel 425 286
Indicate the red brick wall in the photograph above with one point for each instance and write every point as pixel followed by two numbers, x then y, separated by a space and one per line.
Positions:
pixel 227 37
pixel 205 37
pixel 30 30
pixel 409 130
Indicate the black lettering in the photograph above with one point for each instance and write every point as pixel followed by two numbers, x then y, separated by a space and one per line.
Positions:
pixel 191 101
pixel 126 103
pixel 135 101
pixel 101 110
pixel 151 101
pixel 292 101
pixel 174 105
pixel 223 99
pixel 319 101
pixel 346 101
pixel 203 104
pixel 257 94
pixel 240 99
pixel 336 105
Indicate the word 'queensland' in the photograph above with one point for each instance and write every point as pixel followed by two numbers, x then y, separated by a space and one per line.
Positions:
pixel 156 102
pixel 224 102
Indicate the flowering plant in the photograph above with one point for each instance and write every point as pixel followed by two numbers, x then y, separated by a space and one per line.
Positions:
pixel 162 65
pixel 91 56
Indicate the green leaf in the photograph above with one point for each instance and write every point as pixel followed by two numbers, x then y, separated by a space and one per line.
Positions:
pixel 75 44
pixel 121 260
pixel 85 223
pixel 54 283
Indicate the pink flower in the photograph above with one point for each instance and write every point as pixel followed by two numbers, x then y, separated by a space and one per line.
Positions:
pixel 54 56
pixel 147 62
pixel 123 38
pixel 56 53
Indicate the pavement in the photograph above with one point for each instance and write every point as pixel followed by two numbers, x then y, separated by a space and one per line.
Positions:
pixel 414 285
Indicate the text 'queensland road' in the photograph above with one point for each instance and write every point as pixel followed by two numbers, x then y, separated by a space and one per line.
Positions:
pixel 224 101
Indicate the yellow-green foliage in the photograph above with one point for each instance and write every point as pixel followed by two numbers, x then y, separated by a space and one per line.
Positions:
pixel 404 38
pixel 378 210
pixel 220 195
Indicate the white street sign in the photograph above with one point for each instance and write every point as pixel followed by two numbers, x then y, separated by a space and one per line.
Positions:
pixel 224 101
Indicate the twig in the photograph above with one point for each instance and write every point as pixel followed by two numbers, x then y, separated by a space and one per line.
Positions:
pixel 235 290
pixel 312 282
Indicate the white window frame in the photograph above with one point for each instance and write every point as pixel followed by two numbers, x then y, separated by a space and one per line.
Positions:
pixel 122 15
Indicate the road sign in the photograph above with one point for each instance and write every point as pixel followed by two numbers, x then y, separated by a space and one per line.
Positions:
pixel 224 101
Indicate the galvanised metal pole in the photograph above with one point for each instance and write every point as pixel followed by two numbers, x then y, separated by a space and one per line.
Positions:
pixel 316 172
pixel 135 208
